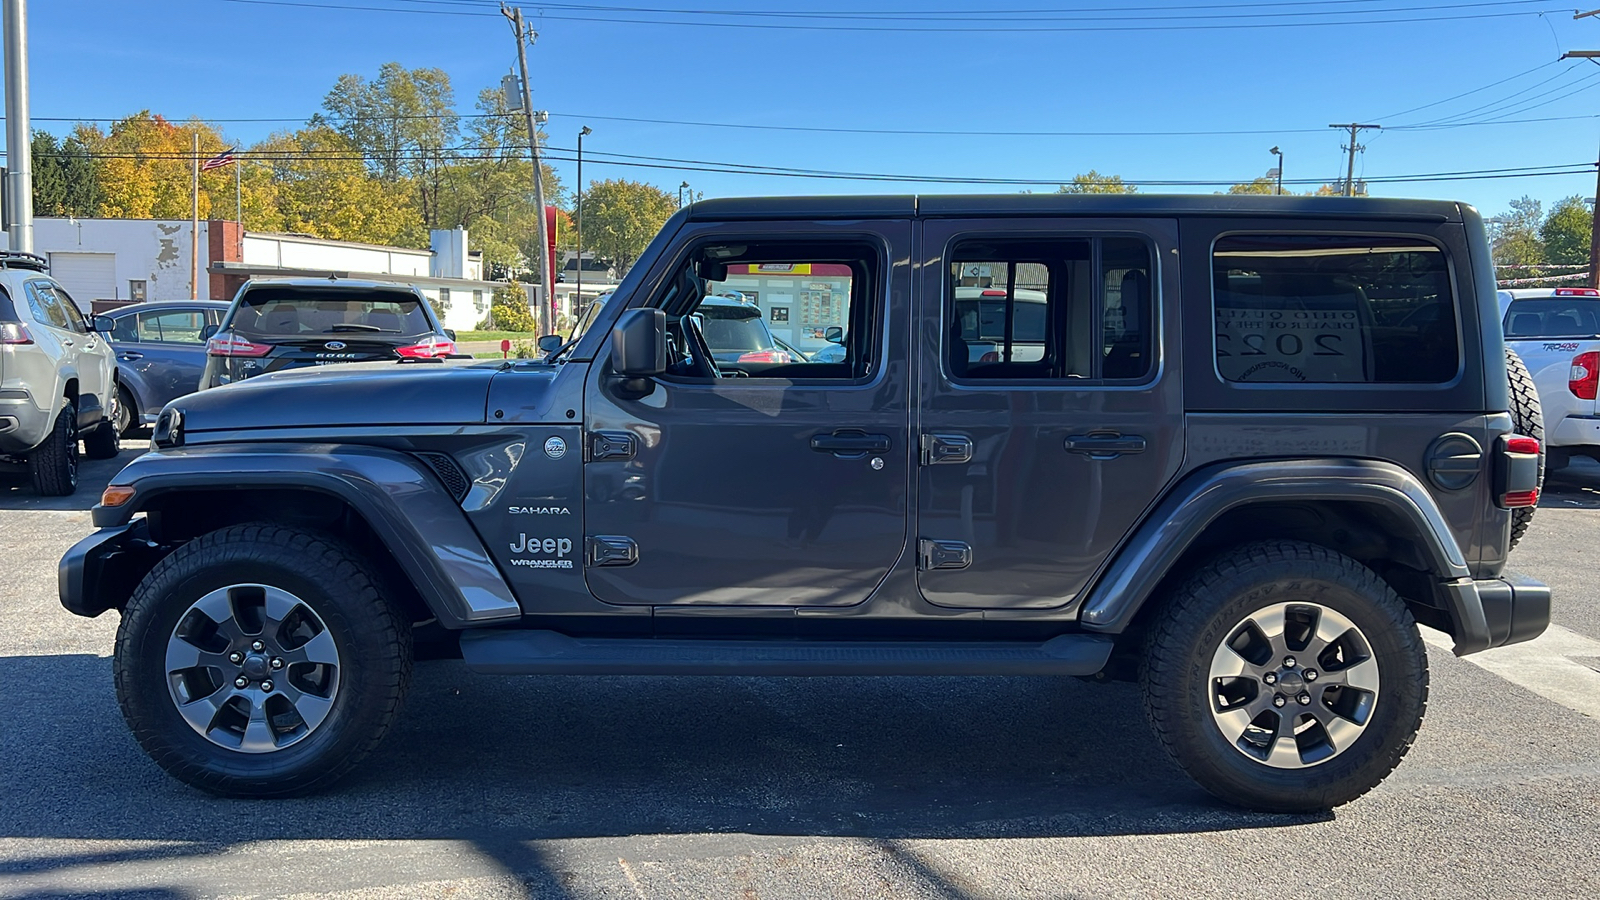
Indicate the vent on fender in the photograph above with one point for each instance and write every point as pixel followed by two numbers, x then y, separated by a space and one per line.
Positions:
pixel 444 466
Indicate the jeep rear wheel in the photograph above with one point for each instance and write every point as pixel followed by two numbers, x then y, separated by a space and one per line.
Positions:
pixel 54 463
pixel 260 661
pixel 1286 677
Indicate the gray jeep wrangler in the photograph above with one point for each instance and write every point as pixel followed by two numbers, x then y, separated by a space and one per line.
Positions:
pixel 1236 448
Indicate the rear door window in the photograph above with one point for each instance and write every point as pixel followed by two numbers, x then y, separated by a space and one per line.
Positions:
pixel 1553 317
pixel 1333 309
pixel 178 327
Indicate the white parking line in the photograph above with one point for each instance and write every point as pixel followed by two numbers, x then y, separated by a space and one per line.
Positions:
pixel 1544 666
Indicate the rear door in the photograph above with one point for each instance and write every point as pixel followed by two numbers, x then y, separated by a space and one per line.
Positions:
pixel 165 348
pixel 52 333
pixel 1050 414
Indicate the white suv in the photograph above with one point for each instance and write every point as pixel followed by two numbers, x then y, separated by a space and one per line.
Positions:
pixel 58 377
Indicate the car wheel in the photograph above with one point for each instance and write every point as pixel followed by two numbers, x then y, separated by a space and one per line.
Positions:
pixel 54 463
pixel 1285 677
pixel 260 661
pixel 126 414
pixel 1528 419
pixel 102 442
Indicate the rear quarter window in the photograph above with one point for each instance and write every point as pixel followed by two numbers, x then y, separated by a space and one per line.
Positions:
pixel 1553 317
pixel 1333 309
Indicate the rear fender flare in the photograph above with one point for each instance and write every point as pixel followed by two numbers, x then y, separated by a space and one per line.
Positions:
pixel 1200 499
pixel 403 502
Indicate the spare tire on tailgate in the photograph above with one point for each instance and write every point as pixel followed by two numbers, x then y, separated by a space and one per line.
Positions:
pixel 1528 420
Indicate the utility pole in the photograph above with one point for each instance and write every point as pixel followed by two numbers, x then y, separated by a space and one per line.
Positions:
pixel 547 279
pixel 19 152
pixel 1355 129
pixel 194 225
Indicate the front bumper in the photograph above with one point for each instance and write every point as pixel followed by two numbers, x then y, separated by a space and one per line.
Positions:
pixel 1494 612
pixel 100 572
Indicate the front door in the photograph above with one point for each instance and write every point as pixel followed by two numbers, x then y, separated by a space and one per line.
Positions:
pixel 1050 415
pixel 770 465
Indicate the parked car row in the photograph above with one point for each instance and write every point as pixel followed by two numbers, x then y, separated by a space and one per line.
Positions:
pixel 1556 331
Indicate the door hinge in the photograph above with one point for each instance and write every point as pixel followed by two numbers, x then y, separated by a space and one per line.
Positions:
pixel 611 550
pixel 945 449
pixel 932 554
pixel 611 445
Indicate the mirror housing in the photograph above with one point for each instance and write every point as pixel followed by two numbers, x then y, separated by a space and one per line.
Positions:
pixel 550 343
pixel 638 350
pixel 101 324
pixel 451 334
pixel 208 332
pixel 834 335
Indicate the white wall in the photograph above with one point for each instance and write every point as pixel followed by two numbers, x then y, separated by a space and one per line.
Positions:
pixel 293 252
pixel 153 251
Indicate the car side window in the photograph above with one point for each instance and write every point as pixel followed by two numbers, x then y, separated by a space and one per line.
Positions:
pixel 69 308
pixel 179 327
pixel 125 329
pixel 1049 308
pixel 778 309
pixel 42 302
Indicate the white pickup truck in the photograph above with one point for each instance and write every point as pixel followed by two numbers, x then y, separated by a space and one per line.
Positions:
pixel 1556 331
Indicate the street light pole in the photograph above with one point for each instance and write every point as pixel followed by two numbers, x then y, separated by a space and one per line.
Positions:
pixel 1279 154
pixel 19 152
pixel 547 311
pixel 681 188
pixel 576 307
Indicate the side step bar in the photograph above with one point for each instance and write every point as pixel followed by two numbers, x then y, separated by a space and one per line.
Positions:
pixel 524 652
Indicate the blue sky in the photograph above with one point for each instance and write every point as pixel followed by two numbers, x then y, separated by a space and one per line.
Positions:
pixel 227 60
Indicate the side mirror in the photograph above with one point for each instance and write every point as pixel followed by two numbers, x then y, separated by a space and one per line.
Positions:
pixel 834 335
pixel 101 324
pixel 208 332
pixel 451 334
pixel 550 343
pixel 639 343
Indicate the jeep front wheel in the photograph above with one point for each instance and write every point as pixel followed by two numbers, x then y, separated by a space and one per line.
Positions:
pixel 260 661
pixel 1286 677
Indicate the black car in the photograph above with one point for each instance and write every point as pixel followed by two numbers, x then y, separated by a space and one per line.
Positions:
pixel 289 324
pixel 161 355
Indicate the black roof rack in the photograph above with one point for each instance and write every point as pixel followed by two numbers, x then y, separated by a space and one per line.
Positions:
pixel 14 260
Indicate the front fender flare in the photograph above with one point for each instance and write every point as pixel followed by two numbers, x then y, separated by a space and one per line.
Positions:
pixel 1201 498
pixel 417 520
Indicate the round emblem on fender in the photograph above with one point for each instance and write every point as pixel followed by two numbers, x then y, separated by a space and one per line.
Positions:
pixel 335 345
pixel 555 448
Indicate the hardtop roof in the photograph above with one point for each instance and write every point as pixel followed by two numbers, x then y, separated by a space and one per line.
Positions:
pixel 984 205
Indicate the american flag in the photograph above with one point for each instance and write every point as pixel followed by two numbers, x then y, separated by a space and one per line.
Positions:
pixel 225 158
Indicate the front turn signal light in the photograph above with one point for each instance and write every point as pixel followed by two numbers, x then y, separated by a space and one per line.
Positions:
pixel 116 495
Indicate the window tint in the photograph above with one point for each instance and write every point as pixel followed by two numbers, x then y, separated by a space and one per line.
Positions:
pixel 1555 317
pixel 44 306
pixel 1045 309
pixel 287 312
pixel 125 329
pixel 171 327
pixel 1333 309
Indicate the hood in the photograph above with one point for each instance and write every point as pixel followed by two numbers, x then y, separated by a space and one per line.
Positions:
pixel 357 395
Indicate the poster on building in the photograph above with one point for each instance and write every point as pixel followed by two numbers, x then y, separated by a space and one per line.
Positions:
pixel 819 311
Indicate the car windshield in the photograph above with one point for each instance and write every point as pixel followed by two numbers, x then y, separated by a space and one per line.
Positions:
pixel 591 313
pixel 289 311
pixel 735 328
pixel 1552 317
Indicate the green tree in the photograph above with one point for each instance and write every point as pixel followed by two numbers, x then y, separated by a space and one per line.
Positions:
pixel 322 187
pixel 1093 182
pixel 144 164
pixel 1514 236
pixel 1566 232
pixel 64 179
pixel 620 217
pixel 405 123
pixel 1256 186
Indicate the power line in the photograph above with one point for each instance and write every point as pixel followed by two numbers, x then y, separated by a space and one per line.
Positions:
pixel 1475 90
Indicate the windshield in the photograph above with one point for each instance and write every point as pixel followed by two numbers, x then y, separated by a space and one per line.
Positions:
pixel 1553 317
pixel 289 311
pixel 589 315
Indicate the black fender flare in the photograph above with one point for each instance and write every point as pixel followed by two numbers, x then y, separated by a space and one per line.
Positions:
pixel 1201 498
pixel 398 496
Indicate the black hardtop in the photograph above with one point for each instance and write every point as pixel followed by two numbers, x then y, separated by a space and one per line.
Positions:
pixel 1022 205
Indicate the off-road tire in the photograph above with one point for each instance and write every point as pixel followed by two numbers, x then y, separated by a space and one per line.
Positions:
pixel 1211 604
pixel 1528 419
pixel 126 415
pixel 54 463
pixel 338 584
pixel 102 442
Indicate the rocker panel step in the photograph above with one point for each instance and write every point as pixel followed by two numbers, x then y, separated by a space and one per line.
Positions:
pixel 526 652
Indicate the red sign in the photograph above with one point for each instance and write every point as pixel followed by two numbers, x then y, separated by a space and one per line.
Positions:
pixel 550 261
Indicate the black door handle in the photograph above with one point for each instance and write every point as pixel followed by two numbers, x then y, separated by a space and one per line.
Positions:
pixel 130 355
pixel 1105 444
pixel 850 442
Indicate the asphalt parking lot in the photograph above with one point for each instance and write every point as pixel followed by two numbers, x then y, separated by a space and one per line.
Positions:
pixel 765 788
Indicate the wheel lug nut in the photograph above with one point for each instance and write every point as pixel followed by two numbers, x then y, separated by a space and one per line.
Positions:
pixel 241 682
pixel 267 686
pixel 258 646
pixel 1303 699
pixel 1279 700
pixel 1270 678
pixel 1311 674
pixel 236 657
pixel 1288 662
pixel 277 662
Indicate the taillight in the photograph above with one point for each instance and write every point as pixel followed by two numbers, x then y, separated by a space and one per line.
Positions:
pixel 233 345
pixel 1584 379
pixel 14 333
pixel 428 349
pixel 1520 444
pixel 765 356
pixel 994 293
pixel 1577 292
pixel 1518 476
pixel 1519 499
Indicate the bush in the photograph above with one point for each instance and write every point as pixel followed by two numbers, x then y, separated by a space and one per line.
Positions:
pixel 510 313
